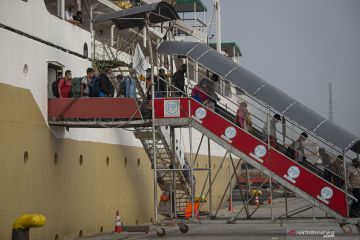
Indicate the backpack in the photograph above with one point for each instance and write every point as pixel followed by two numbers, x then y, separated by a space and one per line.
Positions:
pixel 94 87
pixel 75 91
pixel 55 88
pixel 106 85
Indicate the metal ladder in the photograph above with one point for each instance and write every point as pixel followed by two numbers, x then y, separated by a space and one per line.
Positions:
pixel 164 157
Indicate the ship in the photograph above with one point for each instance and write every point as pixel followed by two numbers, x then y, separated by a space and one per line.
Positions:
pixel 82 161
pixel 76 177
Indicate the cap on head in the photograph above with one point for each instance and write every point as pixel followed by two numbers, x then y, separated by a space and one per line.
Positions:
pixel 304 134
pixel 215 77
pixel 277 117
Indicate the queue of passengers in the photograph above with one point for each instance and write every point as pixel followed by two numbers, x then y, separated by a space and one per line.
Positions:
pixel 102 85
pixel 92 85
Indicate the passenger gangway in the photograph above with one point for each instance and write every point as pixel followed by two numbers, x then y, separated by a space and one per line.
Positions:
pixel 287 172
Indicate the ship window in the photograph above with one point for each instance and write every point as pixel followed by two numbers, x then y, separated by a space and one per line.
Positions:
pixel 101 229
pixel 25 70
pixel 25 0
pixel 138 162
pixel 81 160
pixel 107 161
pixel 80 233
pixel 125 162
pixel 56 237
pixel 26 157
pixel 56 159
pixel 86 51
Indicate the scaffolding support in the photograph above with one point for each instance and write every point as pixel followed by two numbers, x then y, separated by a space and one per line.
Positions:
pixel 153 119
pixel 209 177
pixel 173 193
pixel 237 182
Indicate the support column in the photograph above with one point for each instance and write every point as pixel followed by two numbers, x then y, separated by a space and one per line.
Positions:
pixel 153 120
pixel 210 179
pixel 61 9
pixel 218 25
pixel 112 29
pixel 346 184
pixel 78 3
pixel 173 193
pixel 234 54
pixel 187 76
pixel 144 37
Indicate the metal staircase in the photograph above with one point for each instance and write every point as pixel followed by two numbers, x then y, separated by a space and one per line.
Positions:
pixel 166 158
pixel 256 152
pixel 168 181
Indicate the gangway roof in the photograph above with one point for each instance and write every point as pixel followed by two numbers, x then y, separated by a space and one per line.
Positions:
pixel 263 91
pixel 228 48
pixel 190 6
pixel 135 17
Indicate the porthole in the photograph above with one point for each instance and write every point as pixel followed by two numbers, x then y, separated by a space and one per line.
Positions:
pixel 81 160
pixel 137 222
pixel 86 51
pixel 107 161
pixel 80 233
pixel 101 229
pixel 125 161
pixel 56 237
pixel 26 157
pixel 138 162
pixel 26 70
pixel 151 220
pixel 56 158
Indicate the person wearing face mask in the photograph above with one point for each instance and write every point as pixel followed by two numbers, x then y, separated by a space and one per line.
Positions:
pixel 130 83
pixel 354 187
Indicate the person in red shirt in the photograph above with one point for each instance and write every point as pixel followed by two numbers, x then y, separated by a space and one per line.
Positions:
pixel 65 85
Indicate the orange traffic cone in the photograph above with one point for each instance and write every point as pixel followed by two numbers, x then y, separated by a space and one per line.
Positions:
pixel 257 201
pixel 118 224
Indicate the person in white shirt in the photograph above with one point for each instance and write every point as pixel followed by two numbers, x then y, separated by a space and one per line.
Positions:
pixel 69 15
pixel 272 134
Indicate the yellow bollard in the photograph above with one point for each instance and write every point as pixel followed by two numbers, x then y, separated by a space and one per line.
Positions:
pixel 23 224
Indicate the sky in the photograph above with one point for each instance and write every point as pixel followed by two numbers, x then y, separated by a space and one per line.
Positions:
pixel 299 46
